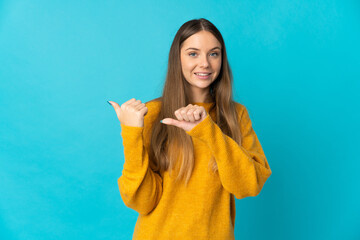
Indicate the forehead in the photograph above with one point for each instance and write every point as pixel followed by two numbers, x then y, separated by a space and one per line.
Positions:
pixel 201 40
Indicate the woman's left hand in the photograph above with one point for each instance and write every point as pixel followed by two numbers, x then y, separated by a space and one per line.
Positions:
pixel 187 117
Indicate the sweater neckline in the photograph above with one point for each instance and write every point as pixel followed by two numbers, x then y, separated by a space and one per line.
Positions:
pixel 203 103
pixel 207 105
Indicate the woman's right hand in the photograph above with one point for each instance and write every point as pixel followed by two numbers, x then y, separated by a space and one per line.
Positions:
pixel 131 112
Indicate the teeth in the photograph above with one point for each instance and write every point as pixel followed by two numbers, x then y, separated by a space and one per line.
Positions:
pixel 202 74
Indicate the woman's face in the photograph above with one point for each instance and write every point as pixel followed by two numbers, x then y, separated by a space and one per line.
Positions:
pixel 201 53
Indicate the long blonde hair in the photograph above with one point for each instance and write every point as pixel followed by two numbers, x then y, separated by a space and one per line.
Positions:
pixel 171 146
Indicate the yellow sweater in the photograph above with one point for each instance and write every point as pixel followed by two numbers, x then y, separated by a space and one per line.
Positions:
pixel 205 209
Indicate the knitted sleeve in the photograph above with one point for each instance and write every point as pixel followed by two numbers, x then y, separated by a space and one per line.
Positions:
pixel 243 169
pixel 140 187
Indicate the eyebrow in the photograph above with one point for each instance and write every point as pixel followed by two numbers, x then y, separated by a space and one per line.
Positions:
pixel 199 49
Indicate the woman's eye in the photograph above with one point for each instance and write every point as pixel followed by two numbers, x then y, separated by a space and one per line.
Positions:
pixel 192 54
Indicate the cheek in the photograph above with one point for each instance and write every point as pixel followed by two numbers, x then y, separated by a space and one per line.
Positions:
pixel 184 64
pixel 218 65
pixel 188 67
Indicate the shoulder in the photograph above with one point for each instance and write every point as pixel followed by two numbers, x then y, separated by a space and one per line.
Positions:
pixel 243 115
pixel 153 107
pixel 154 101
pixel 154 104
pixel 240 108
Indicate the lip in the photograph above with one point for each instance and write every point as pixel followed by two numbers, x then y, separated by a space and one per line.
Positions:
pixel 203 77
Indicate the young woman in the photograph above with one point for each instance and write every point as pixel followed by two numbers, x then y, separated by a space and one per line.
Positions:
pixel 191 151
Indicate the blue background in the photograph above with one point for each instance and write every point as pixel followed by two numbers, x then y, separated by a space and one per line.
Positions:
pixel 296 68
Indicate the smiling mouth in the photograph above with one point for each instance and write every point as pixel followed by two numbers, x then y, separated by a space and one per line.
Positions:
pixel 203 74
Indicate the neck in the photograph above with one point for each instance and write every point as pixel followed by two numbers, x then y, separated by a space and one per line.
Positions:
pixel 201 98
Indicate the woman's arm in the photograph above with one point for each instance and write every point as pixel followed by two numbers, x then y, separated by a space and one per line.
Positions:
pixel 140 187
pixel 243 170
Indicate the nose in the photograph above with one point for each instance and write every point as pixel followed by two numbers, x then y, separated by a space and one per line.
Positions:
pixel 204 62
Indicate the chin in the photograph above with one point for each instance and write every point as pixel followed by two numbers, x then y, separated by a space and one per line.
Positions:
pixel 203 86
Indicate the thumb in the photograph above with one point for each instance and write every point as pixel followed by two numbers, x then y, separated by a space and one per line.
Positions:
pixel 116 107
pixel 170 121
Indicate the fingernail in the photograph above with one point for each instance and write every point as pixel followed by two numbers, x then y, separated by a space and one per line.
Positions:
pixel 161 121
pixel 109 103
